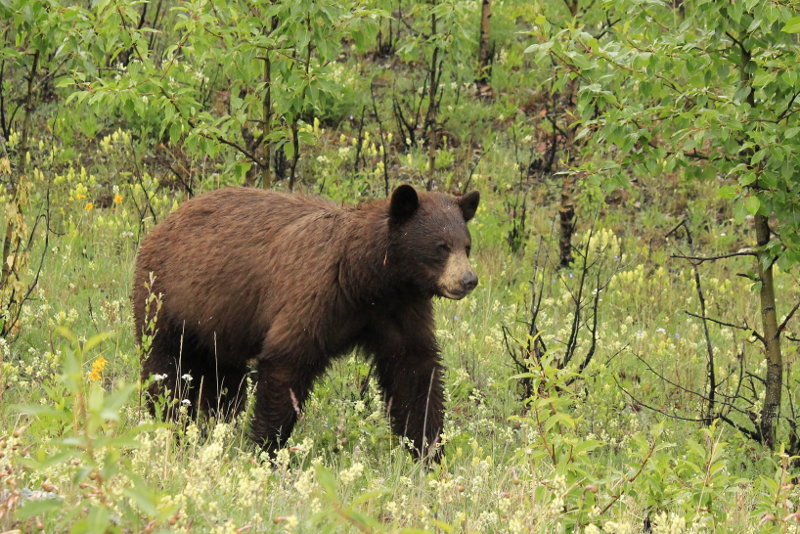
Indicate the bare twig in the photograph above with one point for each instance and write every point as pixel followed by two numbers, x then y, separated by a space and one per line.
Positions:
pixel 616 497
pixel 360 140
pixel 701 259
pixel 475 163
pixel 672 415
pixel 385 149
pixel 9 325
pixel 710 369
pixel 744 327
pixel 752 434
pixel 782 327
pixel 697 394
pixel 575 328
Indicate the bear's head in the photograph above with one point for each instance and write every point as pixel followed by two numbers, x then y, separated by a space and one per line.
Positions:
pixel 430 243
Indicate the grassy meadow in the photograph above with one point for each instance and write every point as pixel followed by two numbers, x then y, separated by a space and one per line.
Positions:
pixel 587 457
pixel 602 430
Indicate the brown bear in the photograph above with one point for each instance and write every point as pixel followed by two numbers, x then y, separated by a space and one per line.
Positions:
pixel 289 282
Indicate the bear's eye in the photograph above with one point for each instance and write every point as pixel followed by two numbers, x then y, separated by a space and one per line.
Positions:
pixel 443 249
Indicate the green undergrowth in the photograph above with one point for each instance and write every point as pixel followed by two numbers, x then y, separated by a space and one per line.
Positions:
pixel 595 454
pixel 122 127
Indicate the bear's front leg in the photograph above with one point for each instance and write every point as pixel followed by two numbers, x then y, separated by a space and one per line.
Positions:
pixel 413 391
pixel 281 391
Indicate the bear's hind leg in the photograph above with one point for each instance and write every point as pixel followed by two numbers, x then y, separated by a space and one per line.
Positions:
pixel 227 390
pixel 162 369
pixel 178 371
pixel 159 372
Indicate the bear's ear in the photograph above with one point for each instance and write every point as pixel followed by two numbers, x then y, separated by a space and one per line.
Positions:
pixel 469 204
pixel 404 203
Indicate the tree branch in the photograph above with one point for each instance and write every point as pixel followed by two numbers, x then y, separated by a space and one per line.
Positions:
pixel 701 259
pixel 729 325
pixel 788 317
pixel 657 410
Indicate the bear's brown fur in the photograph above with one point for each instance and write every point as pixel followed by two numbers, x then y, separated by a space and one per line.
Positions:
pixel 290 282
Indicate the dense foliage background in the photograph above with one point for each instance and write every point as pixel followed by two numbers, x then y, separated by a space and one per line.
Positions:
pixel 628 362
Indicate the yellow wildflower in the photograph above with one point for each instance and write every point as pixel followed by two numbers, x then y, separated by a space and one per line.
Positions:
pixel 80 196
pixel 89 206
pixel 97 369
pixel 117 199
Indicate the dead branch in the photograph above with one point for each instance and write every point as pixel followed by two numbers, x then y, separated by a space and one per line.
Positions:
pixel 782 327
pixel 743 327
pixel 702 259
pixel 672 415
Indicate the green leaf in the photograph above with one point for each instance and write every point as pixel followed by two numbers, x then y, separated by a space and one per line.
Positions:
pixel 326 480
pixel 67 334
pixel 441 525
pixel 367 496
pixel 747 178
pixel 98 520
pixel 587 445
pixel 363 521
pixel 539 48
pixel 792 26
pixel 288 149
pixel 114 402
pixel 38 507
pixel 791 132
pixel 559 418
pixel 174 132
pixel 95 340
pixel 727 192
pixel 144 499
pixel 48 412
pixel 752 204
pixel 64 81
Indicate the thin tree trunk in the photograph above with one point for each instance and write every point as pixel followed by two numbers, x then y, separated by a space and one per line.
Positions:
pixel 769 318
pixel 266 178
pixel 295 155
pixel 566 220
pixel 26 121
pixel 566 210
pixel 267 151
pixel 295 126
pixel 485 52
pixel 258 144
pixel 12 237
pixel 13 257
pixel 5 127
pixel 430 118
pixel 711 373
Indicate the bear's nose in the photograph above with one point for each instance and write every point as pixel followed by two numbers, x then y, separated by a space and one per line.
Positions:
pixel 469 282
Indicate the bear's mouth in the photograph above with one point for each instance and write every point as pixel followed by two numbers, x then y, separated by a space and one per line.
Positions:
pixel 453 294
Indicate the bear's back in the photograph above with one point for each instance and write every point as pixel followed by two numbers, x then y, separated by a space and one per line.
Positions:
pixel 224 260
